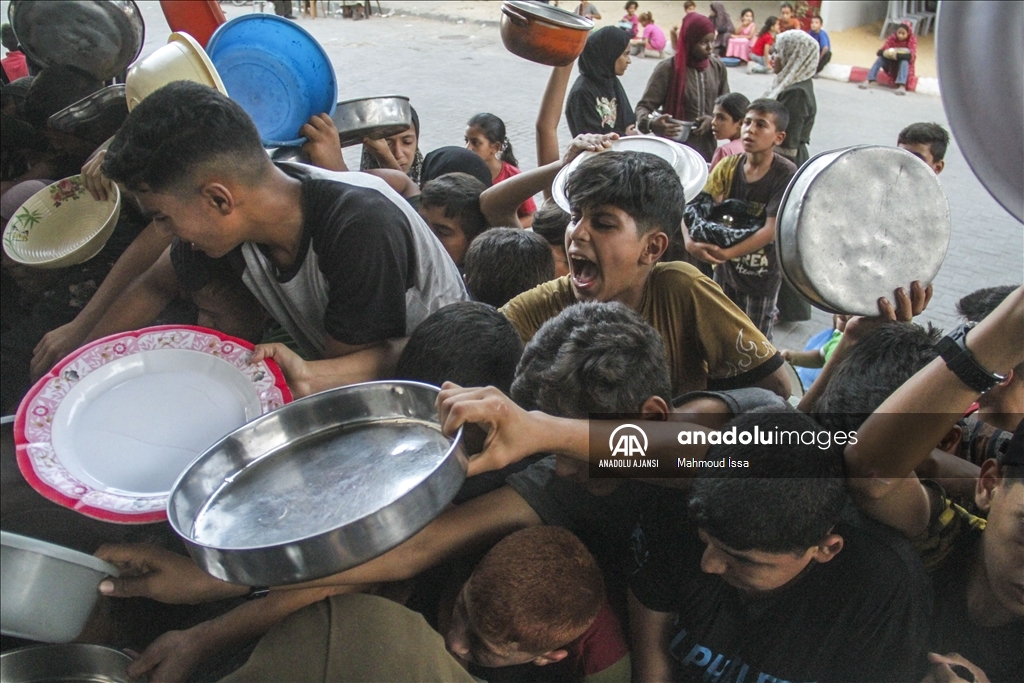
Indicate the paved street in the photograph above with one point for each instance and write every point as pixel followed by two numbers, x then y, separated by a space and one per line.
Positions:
pixel 453 70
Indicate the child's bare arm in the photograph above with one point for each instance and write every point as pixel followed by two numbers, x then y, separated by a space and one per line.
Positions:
pixel 804 359
pixel 549 115
pixel 901 434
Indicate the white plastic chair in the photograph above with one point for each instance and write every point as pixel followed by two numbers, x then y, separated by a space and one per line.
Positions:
pixel 917 9
pixel 895 15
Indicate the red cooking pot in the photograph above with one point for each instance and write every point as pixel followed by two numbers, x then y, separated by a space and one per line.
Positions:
pixel 542 33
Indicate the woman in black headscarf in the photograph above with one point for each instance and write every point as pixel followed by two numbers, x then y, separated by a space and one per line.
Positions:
pixel 597 102
pixel 444 160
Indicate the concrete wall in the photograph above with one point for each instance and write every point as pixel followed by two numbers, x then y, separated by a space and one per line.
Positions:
pixel 840 15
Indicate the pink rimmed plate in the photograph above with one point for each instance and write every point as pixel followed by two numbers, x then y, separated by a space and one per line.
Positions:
pixel 108 430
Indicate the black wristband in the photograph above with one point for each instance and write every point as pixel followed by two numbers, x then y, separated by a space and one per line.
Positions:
pixel 962 363
pixel 257 592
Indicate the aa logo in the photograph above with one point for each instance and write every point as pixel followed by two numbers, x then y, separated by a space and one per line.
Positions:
pixel 628 440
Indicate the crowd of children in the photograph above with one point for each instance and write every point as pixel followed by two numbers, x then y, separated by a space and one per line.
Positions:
pixel 896 557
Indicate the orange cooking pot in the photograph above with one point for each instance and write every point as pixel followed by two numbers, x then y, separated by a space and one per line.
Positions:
pixel 542 33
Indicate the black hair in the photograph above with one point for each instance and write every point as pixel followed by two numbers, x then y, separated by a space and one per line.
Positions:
pixel 778 111
pixel 54 88
pixel 745 10
pixel 592 358
pixel 459 195
pixel 550 222
pixel 734 104
pixel 767 26
pixel 979 303
pixel 629 3
pixel 468 343
pixel 502 263
pixel 786 5
pixel 493 129
pixel 643 185
pixel 788 499
pixel 877 366
pixel 931 134
pixel 178 129
pixel 7 37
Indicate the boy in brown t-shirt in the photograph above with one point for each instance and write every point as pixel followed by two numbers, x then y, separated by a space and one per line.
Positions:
pixel 625 206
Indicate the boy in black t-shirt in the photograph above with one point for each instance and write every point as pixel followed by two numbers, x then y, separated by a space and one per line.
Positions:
pixel 748 271
pixel 773 576
pixel 339 260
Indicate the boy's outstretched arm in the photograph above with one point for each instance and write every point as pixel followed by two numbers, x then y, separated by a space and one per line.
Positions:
pixel 902 432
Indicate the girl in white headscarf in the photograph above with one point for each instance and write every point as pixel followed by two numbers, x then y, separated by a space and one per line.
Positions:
pixel 796 61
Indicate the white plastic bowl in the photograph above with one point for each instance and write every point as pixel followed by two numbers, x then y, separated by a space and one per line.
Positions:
pixel 47 591
pixel 181 59
pixel 61 225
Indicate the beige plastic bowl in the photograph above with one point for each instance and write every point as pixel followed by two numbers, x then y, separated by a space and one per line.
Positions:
pixel 61 225
pixel 181 59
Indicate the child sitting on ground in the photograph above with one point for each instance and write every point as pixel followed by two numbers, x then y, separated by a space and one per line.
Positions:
pixel 502 263
pixel 761 51
pixel 927 141
pixel 726 124
pixel 824 46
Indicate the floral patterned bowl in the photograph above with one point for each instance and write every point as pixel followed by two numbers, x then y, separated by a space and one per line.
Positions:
pixel 61 225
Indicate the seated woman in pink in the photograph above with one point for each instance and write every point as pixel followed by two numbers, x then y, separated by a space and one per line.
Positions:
pixel 741 41
pixel 653 41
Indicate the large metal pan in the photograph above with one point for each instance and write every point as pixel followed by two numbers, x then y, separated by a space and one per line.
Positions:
pixel 371 117
pixel 100 37
pixel 973 88
pixel 319 485
pixel 857 223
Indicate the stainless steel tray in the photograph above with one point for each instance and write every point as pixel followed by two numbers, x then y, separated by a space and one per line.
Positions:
pixel 318 486
pixel 857 223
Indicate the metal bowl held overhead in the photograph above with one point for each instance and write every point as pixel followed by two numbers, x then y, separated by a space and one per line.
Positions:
pixel 100 37
pixel 318 486
pixel 857 223
pixel 542 33
pixel 371 117
pixel 69 663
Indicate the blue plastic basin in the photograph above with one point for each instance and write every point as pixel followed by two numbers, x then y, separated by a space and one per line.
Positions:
pixel 276 71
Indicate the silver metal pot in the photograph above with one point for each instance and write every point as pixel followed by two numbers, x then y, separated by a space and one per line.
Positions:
pixel 318 486
pixel 857 223
pixel 100 37
pixel 371 117
pixel 71 663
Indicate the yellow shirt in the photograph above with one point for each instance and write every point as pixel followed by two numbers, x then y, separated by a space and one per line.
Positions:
pixel 709 340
